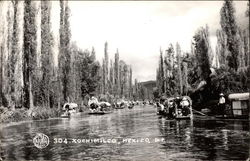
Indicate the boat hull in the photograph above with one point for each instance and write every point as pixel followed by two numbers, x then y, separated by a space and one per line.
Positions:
pixel 96 113
pixel 70 114
pixel 183 117
pixel 65 116
pixel 130 107
pixel 99 112
pixel 119 107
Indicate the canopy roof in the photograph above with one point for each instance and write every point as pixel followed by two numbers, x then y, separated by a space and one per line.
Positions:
pixel 71 105
pixel 239 96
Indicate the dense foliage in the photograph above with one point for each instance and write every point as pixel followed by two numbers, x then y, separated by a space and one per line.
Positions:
pixel 33 75
pixel 205 74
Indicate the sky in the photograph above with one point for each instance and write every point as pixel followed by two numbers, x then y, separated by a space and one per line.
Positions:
pixel 138 29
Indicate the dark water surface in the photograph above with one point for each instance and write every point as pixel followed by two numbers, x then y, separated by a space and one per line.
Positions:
pixel 154 138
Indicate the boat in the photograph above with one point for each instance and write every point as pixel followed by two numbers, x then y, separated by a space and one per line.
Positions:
pixel 65 115
pixel 130 105
pixel 183 109
pixel 69 109
pixel 119 105
pixel 99 108
pixel 162 106
pixel 175 107
pixel 240 105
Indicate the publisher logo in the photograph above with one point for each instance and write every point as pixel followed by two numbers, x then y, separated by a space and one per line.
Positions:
pixel 41 140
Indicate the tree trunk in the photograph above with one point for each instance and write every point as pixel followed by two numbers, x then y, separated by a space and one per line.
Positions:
pixel 1 75
pixel 31 103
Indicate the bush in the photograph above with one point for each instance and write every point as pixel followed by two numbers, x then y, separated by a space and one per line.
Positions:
pixel 13 116
pixel 37 113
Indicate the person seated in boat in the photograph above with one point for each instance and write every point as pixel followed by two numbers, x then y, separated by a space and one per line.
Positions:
pixel 114 105
pixel 160 106
pixel 166 106
pixel 185 106
pixel 67 107
pixel 104 106
pixel 101 107
pixel 93 103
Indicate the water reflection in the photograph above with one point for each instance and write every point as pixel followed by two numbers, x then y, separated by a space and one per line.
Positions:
pixel 183 140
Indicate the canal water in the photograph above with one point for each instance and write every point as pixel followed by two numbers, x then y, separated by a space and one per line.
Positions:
pixel 136 134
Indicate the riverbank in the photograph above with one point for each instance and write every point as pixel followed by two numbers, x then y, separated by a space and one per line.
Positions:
pixel 8 115
pixel 23 114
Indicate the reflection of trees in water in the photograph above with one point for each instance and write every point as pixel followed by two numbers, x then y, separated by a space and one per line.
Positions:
pixel 209 139
pixel 98 124
pixel 124 122
pixel 235 140
pixel 207 145
pixel 221 140
pixel 177 134
pixel 19 140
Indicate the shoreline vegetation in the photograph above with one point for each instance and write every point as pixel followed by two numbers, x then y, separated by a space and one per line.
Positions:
pixel 8 115
pixel 24 114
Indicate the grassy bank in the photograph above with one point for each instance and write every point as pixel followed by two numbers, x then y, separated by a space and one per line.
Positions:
pixel 37 113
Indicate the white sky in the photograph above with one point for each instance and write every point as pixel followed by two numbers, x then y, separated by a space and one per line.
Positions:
pixel 139 29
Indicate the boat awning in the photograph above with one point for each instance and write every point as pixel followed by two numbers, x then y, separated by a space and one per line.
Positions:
pixel 239 96
pixel 70 105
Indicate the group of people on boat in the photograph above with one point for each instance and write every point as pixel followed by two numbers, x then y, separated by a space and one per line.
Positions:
pixel 178 107
pixel 120 104
pixel 69 109
pixel 95 105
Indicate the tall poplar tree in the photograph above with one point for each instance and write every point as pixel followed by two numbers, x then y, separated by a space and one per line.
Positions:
pixel 229 27
pixel 106 68
pixel 161 73
pixel 64 57
pixel 12 58
pixel 178 52
pixel 116 73
pixel 29 51
pixel 202 54
pixel 46 52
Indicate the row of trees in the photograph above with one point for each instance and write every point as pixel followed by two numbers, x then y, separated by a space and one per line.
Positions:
pixel 28 70
pixel 115 77
pixel 33 74
pixel 201 73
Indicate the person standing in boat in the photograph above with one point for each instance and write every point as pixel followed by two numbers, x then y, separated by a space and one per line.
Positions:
pixel 171 109
pixel 222 101
pixel 177 105
pixel 185 105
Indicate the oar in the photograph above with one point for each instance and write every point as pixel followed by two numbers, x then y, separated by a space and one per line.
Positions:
pixel 199 112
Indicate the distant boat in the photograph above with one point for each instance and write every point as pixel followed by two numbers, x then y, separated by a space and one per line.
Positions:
pixel 130 105
pixel 119 105
pixel 99 108
pixel 69 109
